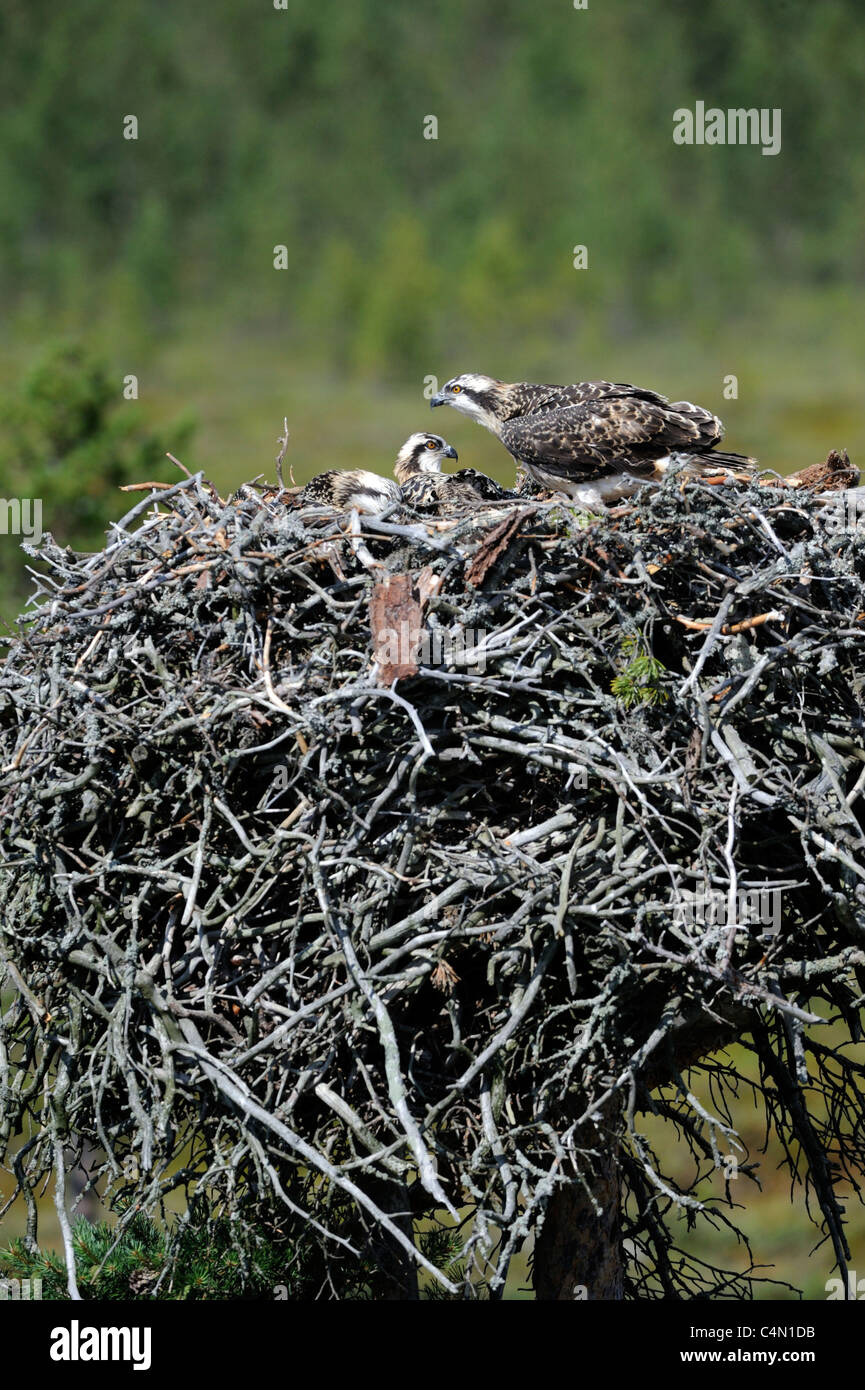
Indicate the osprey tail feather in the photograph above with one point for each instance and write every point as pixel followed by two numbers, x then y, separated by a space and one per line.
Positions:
pixel 732 460
pixel 715 462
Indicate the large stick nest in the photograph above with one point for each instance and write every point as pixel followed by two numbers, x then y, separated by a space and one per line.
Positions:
pixel 342 954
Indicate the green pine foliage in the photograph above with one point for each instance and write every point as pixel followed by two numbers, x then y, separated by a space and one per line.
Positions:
pixel 441 1245
pixel 639 683
pixel 208 1264
pixel 200 1260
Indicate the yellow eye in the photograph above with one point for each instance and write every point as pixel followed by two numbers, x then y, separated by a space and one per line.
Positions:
pixel 430 443
pixel 456 389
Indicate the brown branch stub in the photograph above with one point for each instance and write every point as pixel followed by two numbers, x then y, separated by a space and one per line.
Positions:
pixel 730 629
pixel 835 474
pixel 493 544
pixel 396 611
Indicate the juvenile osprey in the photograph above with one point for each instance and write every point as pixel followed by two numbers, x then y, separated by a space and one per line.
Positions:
pixel 597 441
pixel 344 489
pixel 418 472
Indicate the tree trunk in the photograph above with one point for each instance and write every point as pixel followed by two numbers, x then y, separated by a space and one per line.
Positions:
pixel 397 1271
pixel 578 1254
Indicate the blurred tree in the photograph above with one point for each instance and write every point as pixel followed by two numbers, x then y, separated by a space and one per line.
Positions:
pixel 395 326
pixel 495 275
pixel 306 128
pixel 335 299
pixel 150 258
pixel 71 440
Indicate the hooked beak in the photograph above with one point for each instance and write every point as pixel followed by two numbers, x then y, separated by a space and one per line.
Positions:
pixel 450 452
pixel 438 399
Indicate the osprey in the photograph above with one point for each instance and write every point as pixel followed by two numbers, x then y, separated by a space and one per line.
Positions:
pixel 597 441
pixel 418 472
pixel 350 488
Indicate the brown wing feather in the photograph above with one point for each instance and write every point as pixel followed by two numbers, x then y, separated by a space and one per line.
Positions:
pixel 466 485
pixel 421 490
pixel 530 399
pixel 469 481
pixel 607 433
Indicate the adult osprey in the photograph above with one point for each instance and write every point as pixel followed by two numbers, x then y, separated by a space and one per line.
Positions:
pixel 597 441
pixel 423 484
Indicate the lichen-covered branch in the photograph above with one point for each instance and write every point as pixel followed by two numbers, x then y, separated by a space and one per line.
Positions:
pixel 345 960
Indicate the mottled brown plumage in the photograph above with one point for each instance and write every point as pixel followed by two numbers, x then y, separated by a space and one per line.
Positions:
pixel 418 472
pixel 350 488
pixel 595 440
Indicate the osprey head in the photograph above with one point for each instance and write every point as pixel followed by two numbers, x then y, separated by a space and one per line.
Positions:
pixel 477 396
pixel 422 453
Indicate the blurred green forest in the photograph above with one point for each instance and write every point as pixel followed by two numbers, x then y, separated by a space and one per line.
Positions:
pixel 406 257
